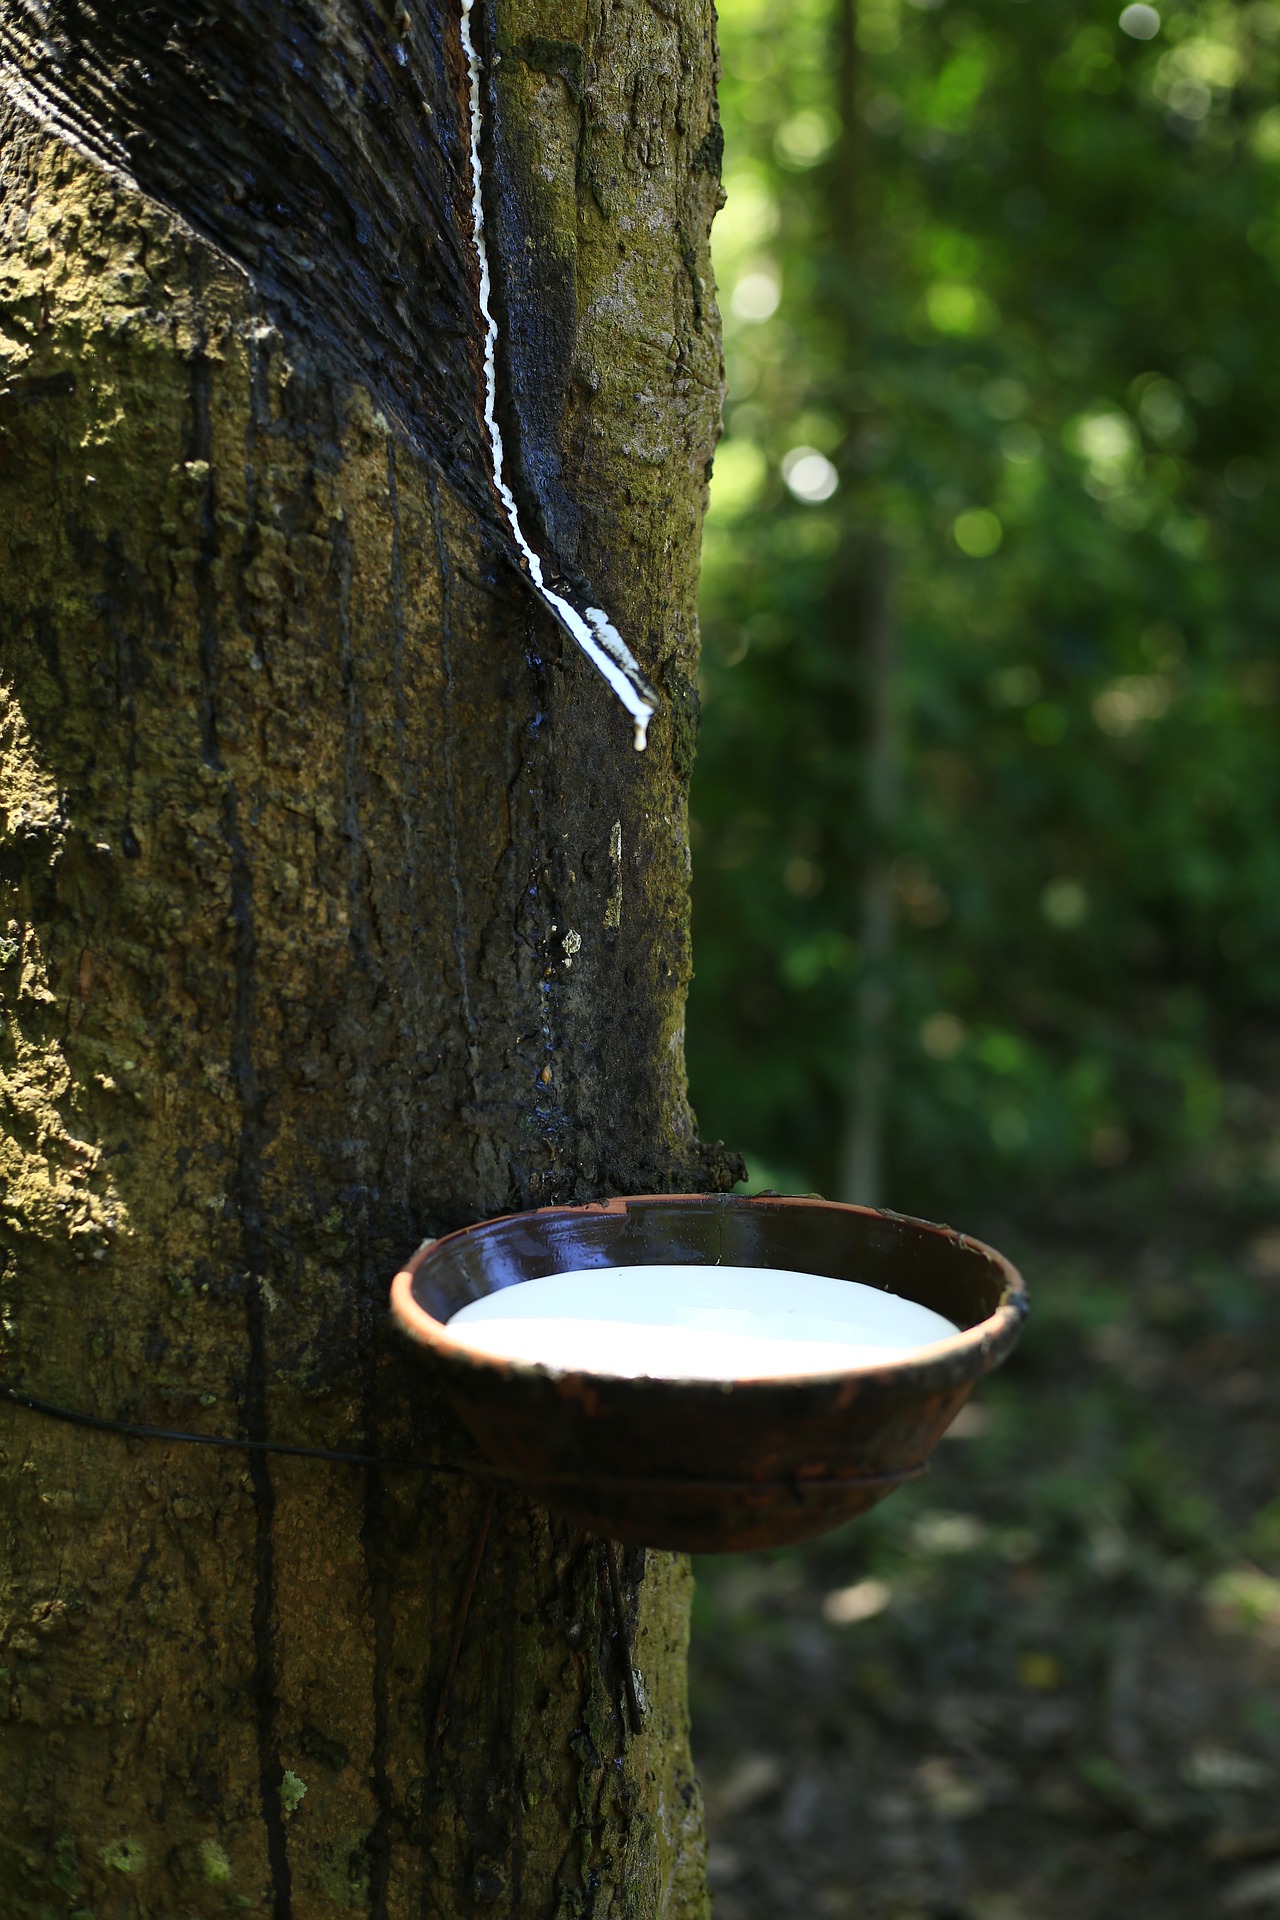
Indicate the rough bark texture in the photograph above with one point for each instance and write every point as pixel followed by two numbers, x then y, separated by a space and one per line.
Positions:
pixel 336 911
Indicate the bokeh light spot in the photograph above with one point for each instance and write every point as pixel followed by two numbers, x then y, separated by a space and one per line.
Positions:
pixel 1065 904
pixel 809 475
pixel 977 532
pixel 953 306
pixel 806 138
pixel 1140 22
pixel 1130 701
pixel 942 1036
pixel 756 296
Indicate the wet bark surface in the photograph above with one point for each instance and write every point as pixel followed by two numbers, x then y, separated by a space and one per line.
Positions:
pixel 337 911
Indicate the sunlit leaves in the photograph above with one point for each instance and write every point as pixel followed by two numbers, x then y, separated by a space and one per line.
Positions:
pixel 958 307
pixel 977 532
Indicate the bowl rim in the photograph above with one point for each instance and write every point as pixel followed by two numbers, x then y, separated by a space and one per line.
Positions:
pixel 983 1344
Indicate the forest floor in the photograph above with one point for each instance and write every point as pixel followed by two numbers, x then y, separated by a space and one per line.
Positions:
pixel 1045 1681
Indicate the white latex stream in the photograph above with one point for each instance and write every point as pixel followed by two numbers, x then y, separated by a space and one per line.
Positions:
pixel 593 630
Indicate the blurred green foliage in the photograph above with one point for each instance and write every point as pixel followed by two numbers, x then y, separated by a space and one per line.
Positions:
pixel 1000 298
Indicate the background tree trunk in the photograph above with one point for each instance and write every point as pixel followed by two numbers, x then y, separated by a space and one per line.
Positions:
pixel 866 590
pixel 337 911
pixel 861 1168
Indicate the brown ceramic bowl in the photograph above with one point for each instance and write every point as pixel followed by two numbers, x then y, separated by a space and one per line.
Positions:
pixel 713 1466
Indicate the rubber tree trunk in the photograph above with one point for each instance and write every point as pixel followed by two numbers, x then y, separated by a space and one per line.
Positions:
pixel 337 911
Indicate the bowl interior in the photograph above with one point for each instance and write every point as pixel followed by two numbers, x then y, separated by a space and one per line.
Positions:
pixel 712 1465
pixel 930 1265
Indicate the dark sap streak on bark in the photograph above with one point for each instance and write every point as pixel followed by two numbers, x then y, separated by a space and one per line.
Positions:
pixel 397 659
pixel 558 821
pixel 373 1539
pixel 270 1770
pixel 450 782
pixel 360 900
pixel 490 1806
pixel 516 1841
pixel 139 1580
pixel 362 936
pixel 596 1830
pixel 373 1536
pixel 248 1196
pixel 489 1813
pixel 248 1174
pixel 250 545
pixel 536 910
pixel 366 950
pixel 438 1722
pixel 122 605
pixel 406 777
pixel 428 1694
pixel 201 449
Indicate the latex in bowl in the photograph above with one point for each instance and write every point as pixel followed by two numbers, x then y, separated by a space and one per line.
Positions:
pixel 713 1466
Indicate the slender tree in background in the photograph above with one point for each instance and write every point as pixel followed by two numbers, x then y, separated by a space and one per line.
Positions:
pixel 867 607
pixel 338 911
pixel 861 1170
pixel 1048 389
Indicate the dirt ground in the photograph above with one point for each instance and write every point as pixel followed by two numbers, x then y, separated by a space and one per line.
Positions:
pixel 1045 1682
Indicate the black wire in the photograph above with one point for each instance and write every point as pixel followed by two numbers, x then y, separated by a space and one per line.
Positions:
pixel 476 1469
pixel 134 1431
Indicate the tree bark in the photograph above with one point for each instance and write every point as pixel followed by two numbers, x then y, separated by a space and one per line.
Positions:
pixel 337 911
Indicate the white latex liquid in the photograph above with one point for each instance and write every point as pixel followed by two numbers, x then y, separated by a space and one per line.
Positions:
pixel 697 1323
pixel 592 628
